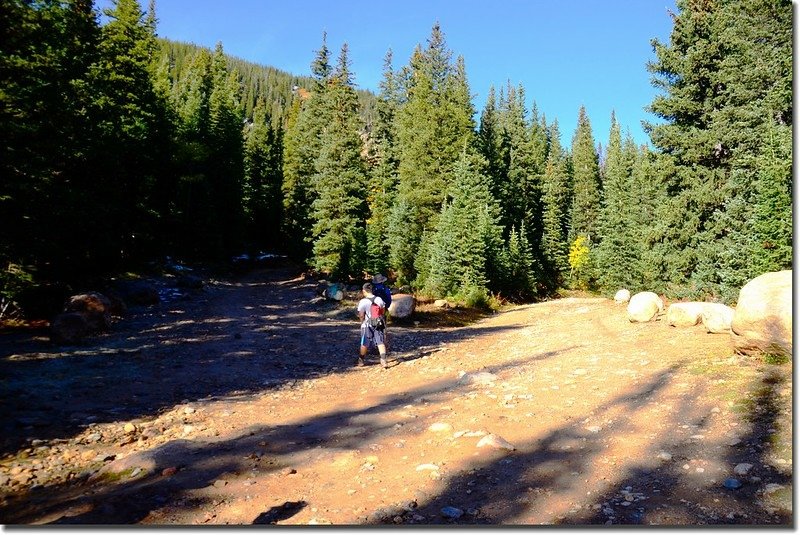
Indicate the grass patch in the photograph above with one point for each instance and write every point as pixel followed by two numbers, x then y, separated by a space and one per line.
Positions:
pixel 776 359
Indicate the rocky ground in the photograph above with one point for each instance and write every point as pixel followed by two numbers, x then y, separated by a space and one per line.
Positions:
pixel 240 404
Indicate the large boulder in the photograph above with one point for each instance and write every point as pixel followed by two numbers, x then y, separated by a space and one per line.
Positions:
pixel 644 306
pixel 402 306
pixel 762 321
pixel 685 314
pixel 622 296
pixel 95 307
pixel 138 292
pixel 717 318
pixel 69 328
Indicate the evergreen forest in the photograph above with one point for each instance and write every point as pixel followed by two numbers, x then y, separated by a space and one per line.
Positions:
pixel 120 147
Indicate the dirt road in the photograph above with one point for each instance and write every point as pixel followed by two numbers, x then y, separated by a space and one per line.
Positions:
pixel 241 404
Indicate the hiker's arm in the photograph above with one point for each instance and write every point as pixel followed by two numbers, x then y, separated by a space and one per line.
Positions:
pixel 361 316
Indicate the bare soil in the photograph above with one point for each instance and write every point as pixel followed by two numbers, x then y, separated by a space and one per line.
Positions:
pixel 241 404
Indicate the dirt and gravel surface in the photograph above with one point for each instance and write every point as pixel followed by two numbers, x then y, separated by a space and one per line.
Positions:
pixel 241 404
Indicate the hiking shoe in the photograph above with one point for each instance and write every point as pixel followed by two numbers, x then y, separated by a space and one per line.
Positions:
pixel 383 362
pixel 360 362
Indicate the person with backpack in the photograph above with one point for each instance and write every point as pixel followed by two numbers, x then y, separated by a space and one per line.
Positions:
pixel 372 313
pixel 381 290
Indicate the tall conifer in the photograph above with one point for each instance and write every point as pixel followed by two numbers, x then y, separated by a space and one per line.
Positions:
pixel 555 211
pixel 301 149
pixel 339 208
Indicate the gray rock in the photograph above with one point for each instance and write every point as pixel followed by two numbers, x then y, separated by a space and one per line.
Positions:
pixel 741 469
pixel 403 305
pixel 479 378
pixel 69 328
pixel 496 442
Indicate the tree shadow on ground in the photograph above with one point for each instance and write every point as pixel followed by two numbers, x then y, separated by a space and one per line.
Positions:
pixel 533 484
pixel 128 499
pixel 205 348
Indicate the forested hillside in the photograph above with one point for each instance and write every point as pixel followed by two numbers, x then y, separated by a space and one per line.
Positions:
pixel 119 147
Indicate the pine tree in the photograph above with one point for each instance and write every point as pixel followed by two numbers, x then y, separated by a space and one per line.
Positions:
pixel 617 253
pixel 130 125
pixel 433 126
pixel 383 175
pixel 585 208
pixel 339 208
pixel 725 74
pixel 538 149
pixel 226 150
pixel 301 148
pixel 555 212
pixel 491 143
pixel 520 268
pixel 771 220
pixel 467 237
pixel 522 194
pixel 262 179
pixel 47 120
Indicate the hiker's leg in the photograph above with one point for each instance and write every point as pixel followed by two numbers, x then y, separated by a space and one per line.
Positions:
pixel 380 341
pixel 362 350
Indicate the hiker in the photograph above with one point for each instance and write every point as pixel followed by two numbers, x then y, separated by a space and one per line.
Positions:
pixel 381 290
pixel 371 312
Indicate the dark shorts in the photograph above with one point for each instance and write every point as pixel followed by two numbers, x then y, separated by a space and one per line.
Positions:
pixel 371 337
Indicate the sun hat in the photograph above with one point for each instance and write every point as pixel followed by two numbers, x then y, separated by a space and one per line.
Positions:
pixel 378 279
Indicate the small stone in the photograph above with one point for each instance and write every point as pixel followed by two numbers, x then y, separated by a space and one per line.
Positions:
pixel 497 442
pixel 427 466
pixel 288 471
pixel 772 487
pixel 452 512
pixel 594 429
pixel 665 456
pixel 220 483
pixel 189 410
pixel 741 469
pixel 732 483
pixel 439 427
pixel 129 428
pixel 171 471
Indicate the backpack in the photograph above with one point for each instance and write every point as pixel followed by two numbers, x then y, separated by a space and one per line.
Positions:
pixel 376 318
pixel 383 292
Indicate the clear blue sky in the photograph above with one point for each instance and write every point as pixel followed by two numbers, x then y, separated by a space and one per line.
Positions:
pixel 565 54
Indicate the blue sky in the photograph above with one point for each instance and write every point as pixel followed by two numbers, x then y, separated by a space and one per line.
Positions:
pixel 565 54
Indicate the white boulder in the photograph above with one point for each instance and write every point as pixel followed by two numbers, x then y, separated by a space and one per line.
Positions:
pixel 684 314
pixel 762 321
pixel 622 296
pixel 402 306
pixel 717 317
pixel 644 307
